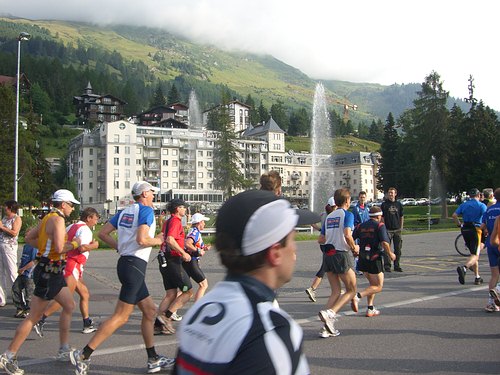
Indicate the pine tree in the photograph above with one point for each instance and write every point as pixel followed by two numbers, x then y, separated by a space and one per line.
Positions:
pixel 278 113
pixel 173 95
pixel 158 97
pixel 254 113
pixel 387 174
pixel 263 112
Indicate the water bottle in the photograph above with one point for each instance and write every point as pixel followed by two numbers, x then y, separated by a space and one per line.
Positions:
pixel 162 259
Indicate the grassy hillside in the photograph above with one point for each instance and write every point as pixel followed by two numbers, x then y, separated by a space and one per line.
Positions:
pixel 341 145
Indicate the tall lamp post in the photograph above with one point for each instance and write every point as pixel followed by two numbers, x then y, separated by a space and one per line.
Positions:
pixel 23 36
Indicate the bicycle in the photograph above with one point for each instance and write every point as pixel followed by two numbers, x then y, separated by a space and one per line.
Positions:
pixel 460 246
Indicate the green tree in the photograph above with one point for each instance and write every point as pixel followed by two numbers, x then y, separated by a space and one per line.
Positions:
pixel 263 113
pixel 158 97
pixel 173 95
pixel 387 174
pixel 254 113
pixel 227 173
pixel 278 113
pixel 376 132
pixel 300 122
pixel 7 120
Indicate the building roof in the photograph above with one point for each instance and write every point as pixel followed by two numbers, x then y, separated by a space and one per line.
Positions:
pixel 8 80
pixel 168 123
pixel 262 129
pixel 158 109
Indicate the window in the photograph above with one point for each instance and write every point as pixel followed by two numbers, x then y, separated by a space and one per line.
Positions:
pixel 200 164
pixel 174 174
pixel 116 173
pixel 117 149
pixel 174 163
pixel 138 151
pixel 200 153
pixel 127 173
pixel 165 151
pixel 116 161
pixel 127 150
pixel 165 174
pixel 91 174
pixel 138 161
pixel 91 163
pixel 127 184
pixel 200 174
pixel 165 185
pixel 209 164
pixel 174 152
pixel 91 185
pixel 200 186
pixel 127 161
pixel 165 163
pixel 116 138
pixel 91 151
pixel 116 184
pixel 138 174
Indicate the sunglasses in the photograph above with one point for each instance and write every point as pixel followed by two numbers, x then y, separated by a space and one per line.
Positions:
pixel 71 204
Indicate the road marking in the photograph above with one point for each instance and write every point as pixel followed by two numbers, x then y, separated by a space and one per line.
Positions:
pixel 430 268
pixel 402 303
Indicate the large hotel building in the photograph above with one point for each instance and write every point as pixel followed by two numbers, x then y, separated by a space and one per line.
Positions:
pixel 162 147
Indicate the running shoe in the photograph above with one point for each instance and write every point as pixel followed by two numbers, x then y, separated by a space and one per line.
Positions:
pixel 496 296
pixel 328 317
pixel 63 354
pixel 21 314
pixel 478 281
pixel 398 269
pixel 89 328
pixel 81 365
pixel 325 334
pixel 167 325
pixel 10 365
pixel 355 303
pixel 461 275
pixel 159 363
pixel 39 328
pixel 370 313
pixel 491 307
pixel 175 317
pixel 311 293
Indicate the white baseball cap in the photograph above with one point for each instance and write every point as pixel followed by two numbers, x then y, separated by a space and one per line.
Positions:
pixel 63 195
pixel 142 186
pixel 197 217
pixel 331 202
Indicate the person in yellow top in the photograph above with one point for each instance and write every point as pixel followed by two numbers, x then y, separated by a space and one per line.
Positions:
pixel 50 238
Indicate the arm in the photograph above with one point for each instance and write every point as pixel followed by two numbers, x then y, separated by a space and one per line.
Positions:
pixel 456 219
pixel 26 267
pixel 387 250
pixel 172 243
pixel 350 241
pixel 16 227
pixel 91 246
pixel 143 238
pixel 57 227
pixel 31 237
pixel 494 234
pixel 105 235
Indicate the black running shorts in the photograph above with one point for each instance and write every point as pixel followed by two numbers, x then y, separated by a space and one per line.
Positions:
pixel 47 284
pixel 194 271
pixel 132 274
pixel 174 276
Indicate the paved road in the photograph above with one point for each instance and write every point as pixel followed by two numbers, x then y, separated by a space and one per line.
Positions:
pixel 429 323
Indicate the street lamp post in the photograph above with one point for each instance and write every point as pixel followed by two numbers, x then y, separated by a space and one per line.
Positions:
pixel 22 36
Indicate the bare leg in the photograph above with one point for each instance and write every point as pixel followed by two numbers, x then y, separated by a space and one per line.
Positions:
pixel 148 309
pixel 349 280
pixel 84 294
pixel 24 328
pixel 65 299
pixel 106 329
pixel 334 281
pixel 203 286
pixel 54 305
pixel 376 284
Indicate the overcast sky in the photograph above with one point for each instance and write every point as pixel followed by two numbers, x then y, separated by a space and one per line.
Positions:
pixel 384 41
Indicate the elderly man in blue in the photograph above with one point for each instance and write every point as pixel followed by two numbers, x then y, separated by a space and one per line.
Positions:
pixel 136 226
pixel 472 215
pixel 336 234
pixel 361 215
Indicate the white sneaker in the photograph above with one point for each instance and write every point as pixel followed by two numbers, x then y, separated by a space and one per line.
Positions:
pixel 81 365
pixel 176 317
pixel 157 364
pixel 10 365
pixel 491 307
pixel 311 293
pixel 63 354
pixel 355 303
pixel 325 334
pixel 370 313
pixel 328 317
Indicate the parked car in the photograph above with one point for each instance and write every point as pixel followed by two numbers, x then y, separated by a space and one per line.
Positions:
pixel 436 201
pixel 408 202
pixel 422 201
